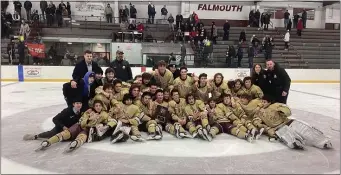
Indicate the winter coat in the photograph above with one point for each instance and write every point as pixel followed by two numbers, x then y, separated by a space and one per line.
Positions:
pixel 300 25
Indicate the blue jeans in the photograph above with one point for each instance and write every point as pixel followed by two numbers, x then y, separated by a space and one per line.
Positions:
pixel 286 21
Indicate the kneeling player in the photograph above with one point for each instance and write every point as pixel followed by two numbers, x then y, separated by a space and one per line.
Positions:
pixel 196 113
pixel 294 133
pixel 79 131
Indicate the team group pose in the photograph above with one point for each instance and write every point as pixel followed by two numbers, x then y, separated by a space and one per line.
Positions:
pixel 187 107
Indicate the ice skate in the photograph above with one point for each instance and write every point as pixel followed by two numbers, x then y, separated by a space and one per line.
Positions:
pixel 259 133
pixel 298 144
pixel 116 137
pixel 201 133
pixel 328 145
pixel 195 134
pixel 91 135
pixel 272 139
pixel 157 135
pixel 30 137
pixel 100 130
pixel 43 146
pixel 137 138
pixel 71 147
pixel 177 131
pixel 250 138
pixel 207 135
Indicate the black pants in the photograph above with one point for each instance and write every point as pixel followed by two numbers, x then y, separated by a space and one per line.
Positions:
pixel 282 99
pixel 28 14
pixel 109 18
pixel 51 133
pixel 267 55
pixel 226 35
pixel 266 26
pixel 240 57
pixel 299 32
pixel 229 61
pixel 286 45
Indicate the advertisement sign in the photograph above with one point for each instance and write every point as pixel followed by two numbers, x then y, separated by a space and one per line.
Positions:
pixel 36 50
pixel 32 71
pixel 242 73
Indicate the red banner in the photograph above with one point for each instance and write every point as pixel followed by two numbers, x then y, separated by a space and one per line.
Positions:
pixel 36 50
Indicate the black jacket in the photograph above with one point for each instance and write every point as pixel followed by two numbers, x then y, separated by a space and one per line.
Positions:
pixel 17 5
pixel 122 69
pixel 94 85
pixel 67 117
pixel 226 27
pixel 43 5
pixel 179 18
pixel 260 80
pixel 81 69
pixel 73 93
pixel 28 5
pixel 278 80
pixel 164 11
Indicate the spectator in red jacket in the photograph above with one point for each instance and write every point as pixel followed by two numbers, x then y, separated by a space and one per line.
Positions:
pixel 299 27
pixel 140 27
pixel 193 34
pixel 196 18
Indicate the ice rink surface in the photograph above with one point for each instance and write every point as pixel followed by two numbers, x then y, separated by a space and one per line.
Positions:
pixel 29 108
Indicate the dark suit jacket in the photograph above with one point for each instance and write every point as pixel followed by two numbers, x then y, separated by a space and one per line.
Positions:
pixel 81 69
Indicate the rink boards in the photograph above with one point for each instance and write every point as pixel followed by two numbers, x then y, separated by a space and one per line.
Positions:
pixel 64 73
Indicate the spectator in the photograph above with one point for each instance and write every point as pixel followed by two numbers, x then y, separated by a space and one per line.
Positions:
pixel 196 18
pixel 279 81
pixel 262 17
pixel 251 17
pixel 258 77
pixel 295 21
pixel 68 8
pixel 153 13
pixel 193 35
pixel 178 20
pixel 164 12
pixel 214 33
pixel 240 55
pixel 286 18
pixel 121 67
pixel 17 7
pixel 179 35
pixel 21 52
pixel 28 7
pixel 123 27
pixel 251 55
pixel 183 54
pixel 150 7
pixel 304 18
pixel 172 59
pixel 43 7
pixel 300 27
pixel 267 21
pixel 24 29
pixel 171 22
pixel 230 54
pixel 59 17
pixel 267 45
pixel 226 31
pixel 132 26
pixel 140 27
pixel 242 36
pixel 61 5
pixel 49 15
pixel 4 5
pixel 286 40
pixel 10 52
pixel 126 13
pixel 289 25
pixel 133 11
pixel 84 66
pixel 108 13
pixel 121 14
pixel 65 14
pixel 66 61
pixel 104 62
pixel 257 17
pixel 255 43
pixel 52 53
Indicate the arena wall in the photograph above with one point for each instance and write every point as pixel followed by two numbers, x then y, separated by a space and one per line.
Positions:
pixel 63 74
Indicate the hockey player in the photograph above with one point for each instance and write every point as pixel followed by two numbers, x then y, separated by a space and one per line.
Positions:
pixel 104 96
pixel 219 86
pixel 184 83
pixel 163 77
pixel 63 121
pixel 196 114
pixel 79 132
pixel 249 105
pixel 292 132
pixel 176 109
pixel 237 89
pixel 146 79
pixel 118 92
pixel 223 124
pixel 166 95
pixel 127 114
pixel 252 89
pixel 146 117
pixel 202 89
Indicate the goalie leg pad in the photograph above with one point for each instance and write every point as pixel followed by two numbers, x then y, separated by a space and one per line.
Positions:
pixel 289 137
pixel 311 135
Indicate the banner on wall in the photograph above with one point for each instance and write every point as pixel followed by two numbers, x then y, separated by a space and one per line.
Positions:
pixel 242 73
pixel 32 71
pixel 220 11
pixel 36 50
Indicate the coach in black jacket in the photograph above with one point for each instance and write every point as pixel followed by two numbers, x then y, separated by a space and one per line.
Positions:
pixel 121 67
pixel 84 66
pixel 65 119
pixel 278 81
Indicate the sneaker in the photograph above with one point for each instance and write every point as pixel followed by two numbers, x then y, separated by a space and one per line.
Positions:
pixel 30 137
pixel 116 136
pixel 45 144
pixel 71 147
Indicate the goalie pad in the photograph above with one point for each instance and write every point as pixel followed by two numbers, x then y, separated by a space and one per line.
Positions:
pixel 311 135
pixel 289 137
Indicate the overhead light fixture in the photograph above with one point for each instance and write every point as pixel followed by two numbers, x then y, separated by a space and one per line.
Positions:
pixel 69 43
